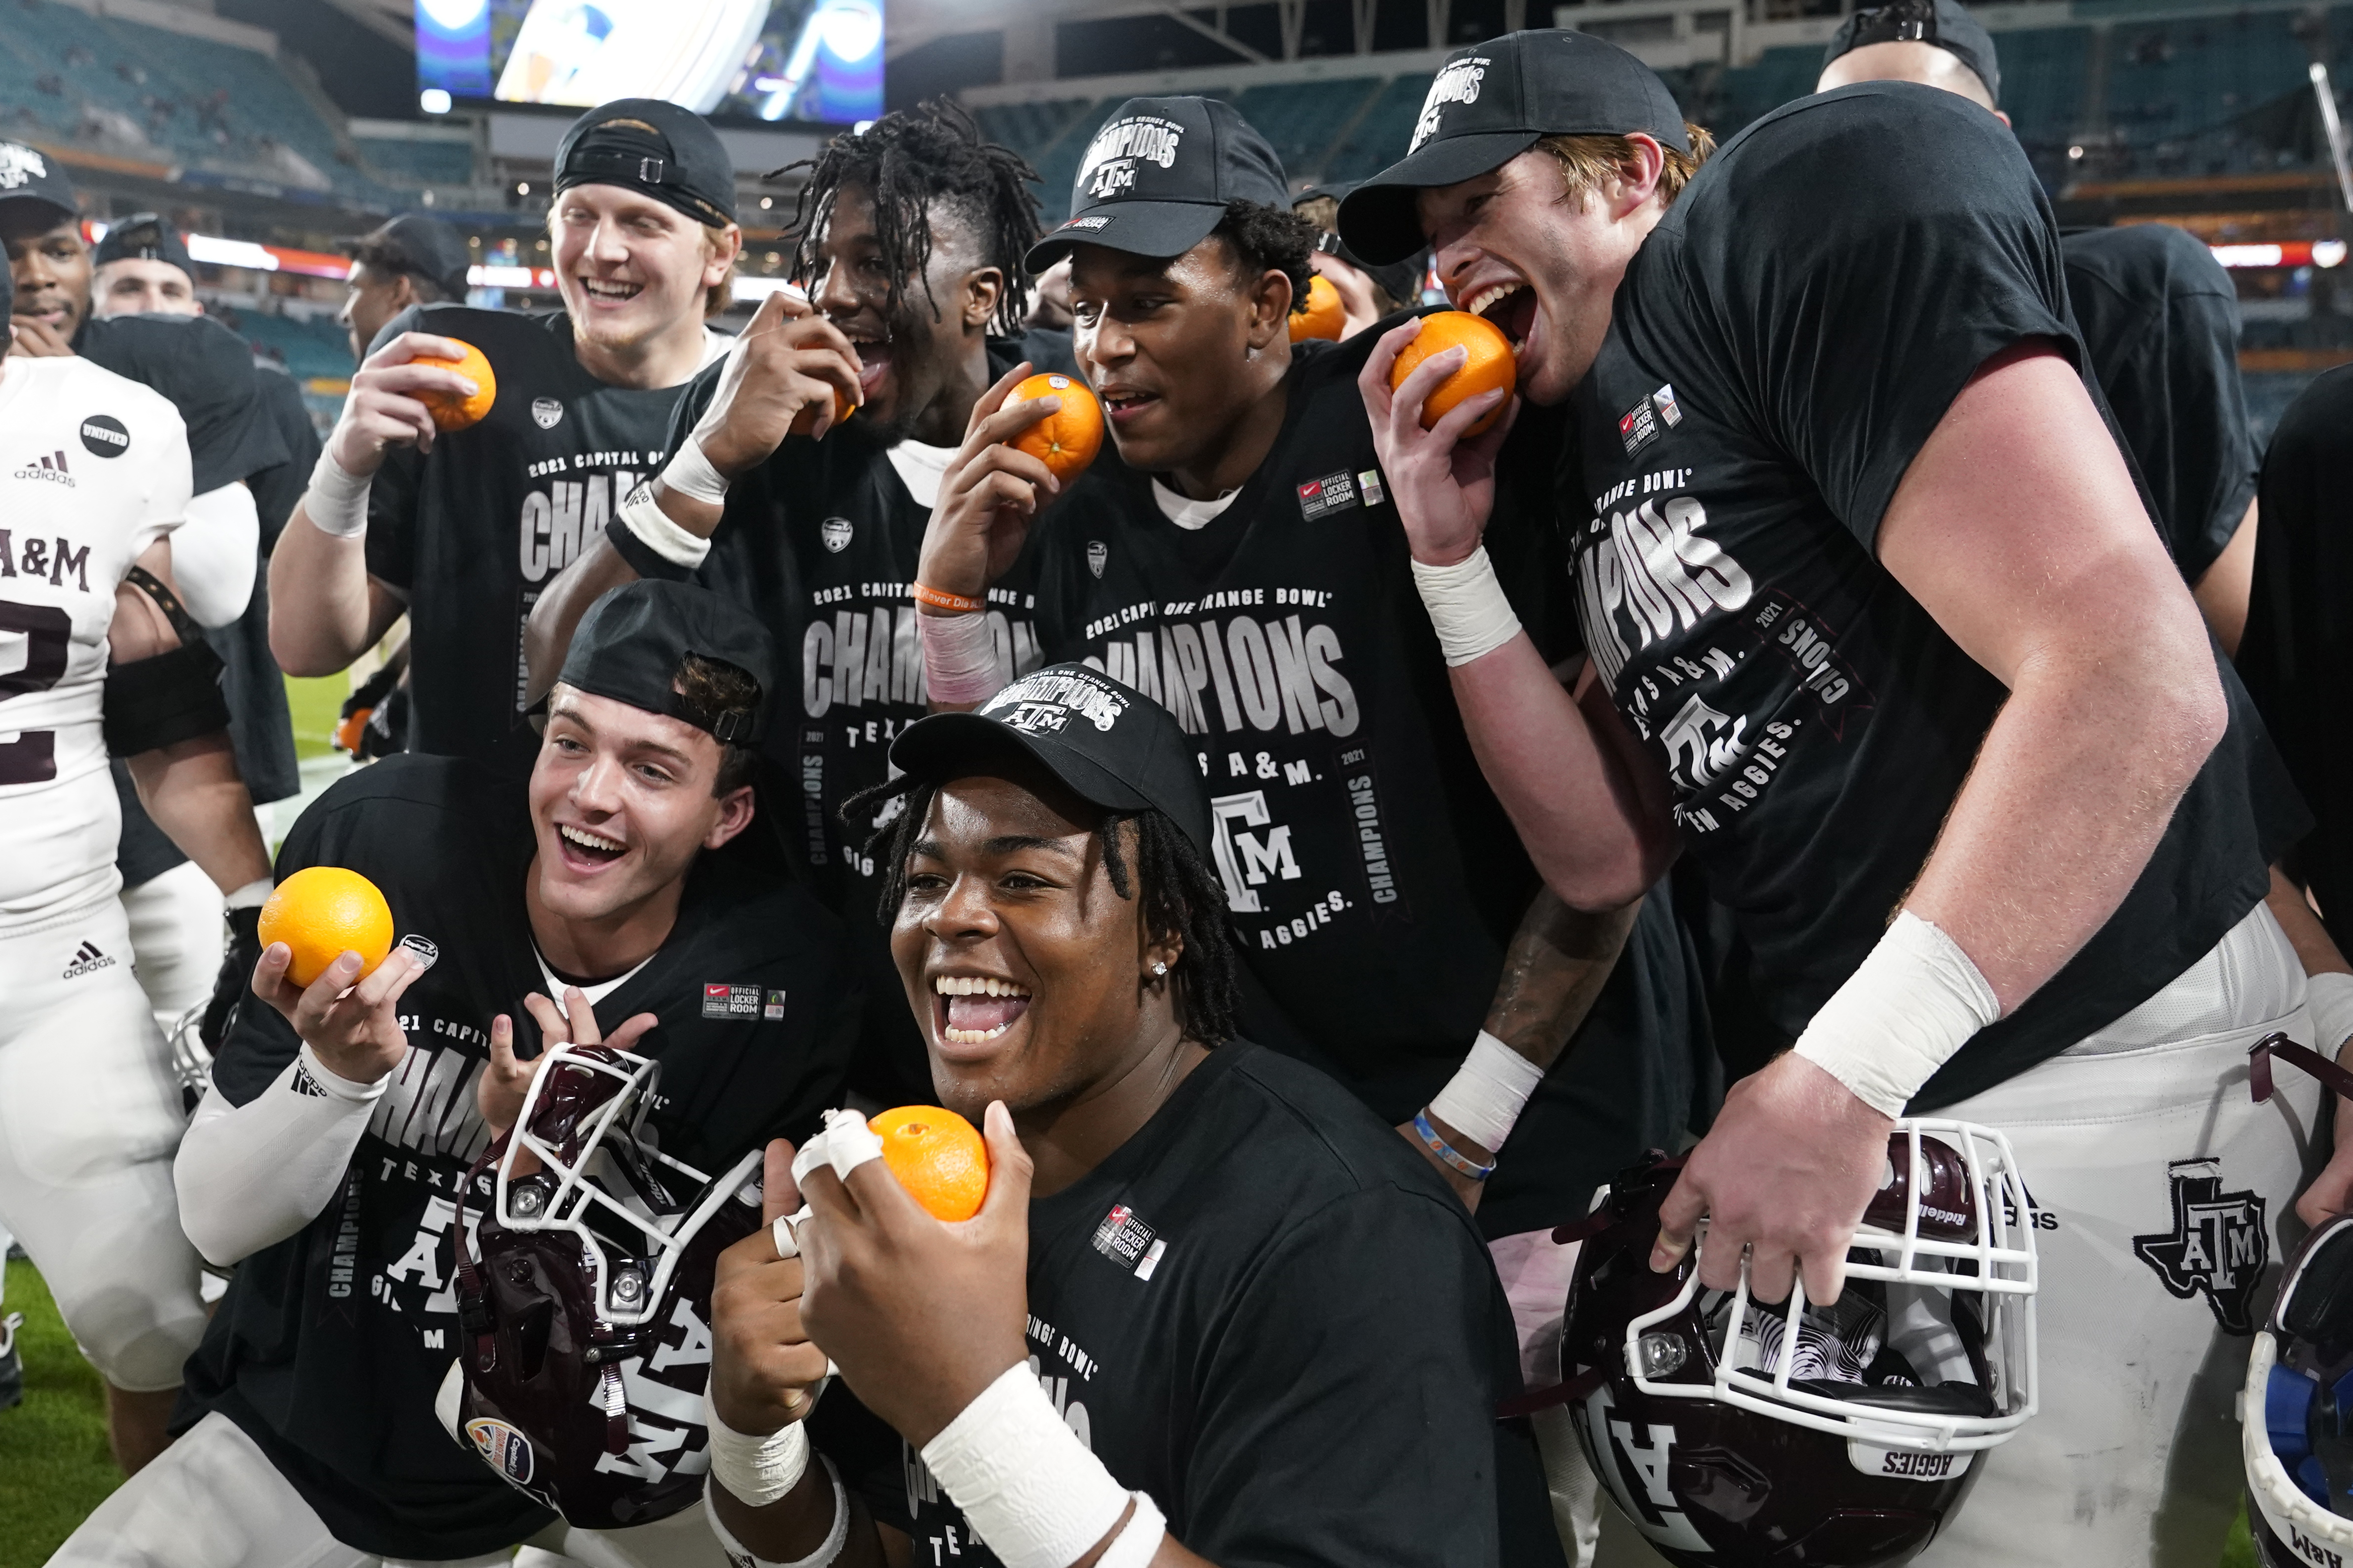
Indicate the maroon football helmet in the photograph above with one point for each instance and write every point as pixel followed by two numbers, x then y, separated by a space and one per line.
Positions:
pixel 1733 1434
pixel 586 1300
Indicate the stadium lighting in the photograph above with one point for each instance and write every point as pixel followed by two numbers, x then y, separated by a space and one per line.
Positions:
pixel 433 101
pixel 2075 151
pixel 523 188
pixel 2321 253
pixel 852 31
pixel 2327 253
pixel 452 16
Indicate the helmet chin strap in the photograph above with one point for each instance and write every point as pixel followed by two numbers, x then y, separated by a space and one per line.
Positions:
pixel 2259 1067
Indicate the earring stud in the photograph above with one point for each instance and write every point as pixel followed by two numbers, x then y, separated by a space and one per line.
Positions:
pixel 1159 969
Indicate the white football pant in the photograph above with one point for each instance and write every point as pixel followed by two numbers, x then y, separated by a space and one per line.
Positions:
pixel 215 1500
pixel 90 1116
pixel 2165 1198
pixel 177 936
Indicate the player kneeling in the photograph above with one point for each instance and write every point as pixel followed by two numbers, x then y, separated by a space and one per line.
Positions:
pixel 330 1160
pixel 1211 1309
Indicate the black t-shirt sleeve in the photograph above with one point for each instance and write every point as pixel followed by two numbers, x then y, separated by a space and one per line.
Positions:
pixel 1872 248
pixel 1344 1412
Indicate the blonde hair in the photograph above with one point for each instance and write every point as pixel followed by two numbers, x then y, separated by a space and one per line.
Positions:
pixel 1586 162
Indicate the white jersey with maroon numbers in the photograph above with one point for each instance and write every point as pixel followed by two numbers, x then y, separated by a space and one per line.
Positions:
pixel 94 470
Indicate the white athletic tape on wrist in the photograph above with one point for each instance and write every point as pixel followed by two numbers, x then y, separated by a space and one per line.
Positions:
pixel 1467 606
pixel 337 500
pixel 1483 1098
pixel 252 896
pixel 2331 999
pixel 1138 1539
pixel 959 657
pixel 690 473
pixel 1027 1484
pixel 657 532
pixel 1915 1000
pixel 828 1550
pixel 756 1470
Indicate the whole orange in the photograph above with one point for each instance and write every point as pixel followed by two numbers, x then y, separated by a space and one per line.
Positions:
pixel 323 913
pixel 1065 441
pixel 1489 367
pixel 937 1156
pixel 1326 316
pixel 451 411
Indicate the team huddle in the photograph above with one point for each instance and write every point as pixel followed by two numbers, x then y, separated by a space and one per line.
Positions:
pixel 1652 879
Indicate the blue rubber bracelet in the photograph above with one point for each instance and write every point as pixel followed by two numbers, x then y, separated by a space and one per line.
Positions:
pixel 1448 1153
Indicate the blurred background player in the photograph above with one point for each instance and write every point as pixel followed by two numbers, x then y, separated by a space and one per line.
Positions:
pixel 410 261
pixel 1368 292
pixel 464 530
pixel 1239 563
pixel 2158 315
pixel 1211 1310
pixel 142 267
pixel 326 1160
pixel 97 480
pixel 910 236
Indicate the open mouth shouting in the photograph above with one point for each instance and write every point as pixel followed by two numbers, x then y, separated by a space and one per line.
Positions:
pixel 584 851
pixel 975 1009
pixel 1510 306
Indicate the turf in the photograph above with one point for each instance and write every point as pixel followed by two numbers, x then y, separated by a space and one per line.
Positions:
pixel 54 1466
pixel 317 706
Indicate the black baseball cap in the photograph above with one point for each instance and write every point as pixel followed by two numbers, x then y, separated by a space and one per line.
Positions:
pixel 144 237
pixel 423 245
pixel 1493 101
pixel 1944 23
pixel 629 645
pixel 1114 746
pixel 1401 278
pixel 654 147
pixel 1157 175
pixel 29 174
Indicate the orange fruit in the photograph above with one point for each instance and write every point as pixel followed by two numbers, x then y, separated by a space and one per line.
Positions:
pixel 323 913
pixel 1490 366
pixel 937 1156
pixel 806 420
pixel 1065 441
pixel 1326 316
pixel 450 411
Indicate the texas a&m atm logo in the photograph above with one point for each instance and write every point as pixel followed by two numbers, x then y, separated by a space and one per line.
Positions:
pixel 2218 1245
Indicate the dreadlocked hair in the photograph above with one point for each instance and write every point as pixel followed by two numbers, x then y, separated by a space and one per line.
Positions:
pixel 1269 239
pixel 907 162
pixel 1182 894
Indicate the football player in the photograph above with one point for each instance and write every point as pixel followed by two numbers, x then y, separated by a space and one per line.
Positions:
pixel 464 530
pixel 1210 1309
pixel 328 1157
pixel 411 260
pixel 142 267
pixel 1879 624
pixel 910 234
pixel 97 480
pixel 2158 315
pixel 1367 292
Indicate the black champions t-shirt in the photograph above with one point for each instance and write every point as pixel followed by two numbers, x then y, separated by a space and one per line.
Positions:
pixel 330 1346
pixel 2297 655
pixel 2159 319
pixel 1372 878
pixel 1782 345
pixel 473 531
pixel 820 543
pixel 1267 1312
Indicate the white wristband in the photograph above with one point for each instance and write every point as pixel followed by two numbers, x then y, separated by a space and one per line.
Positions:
pixel 690 473
pixel 1138 1539
pixel 1027 1483
pixel 756 1471
pixel 1483 1098
pixel 1915 1000
pixel 2331 999
pixel 654 528
pixel 1467 607
pixel 252 896
pixel 828 1550
pixel 959 657
pixel 337 500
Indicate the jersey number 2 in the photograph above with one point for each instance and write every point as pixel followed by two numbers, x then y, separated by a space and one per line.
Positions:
pixel 47 631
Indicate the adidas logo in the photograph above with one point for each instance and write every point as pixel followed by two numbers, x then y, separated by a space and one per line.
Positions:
pixel 51 467
pixel 305 1084
pixel 88 959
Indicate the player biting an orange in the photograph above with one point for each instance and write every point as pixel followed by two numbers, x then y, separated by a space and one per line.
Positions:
pixel 1196 1261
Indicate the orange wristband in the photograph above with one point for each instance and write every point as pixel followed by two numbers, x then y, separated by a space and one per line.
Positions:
pixel 939 599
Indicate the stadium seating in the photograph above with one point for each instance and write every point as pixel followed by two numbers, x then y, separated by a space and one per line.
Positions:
pixel 417 163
